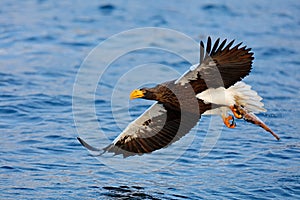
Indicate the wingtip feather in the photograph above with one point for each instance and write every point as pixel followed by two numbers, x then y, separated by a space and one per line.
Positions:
pixel 86 145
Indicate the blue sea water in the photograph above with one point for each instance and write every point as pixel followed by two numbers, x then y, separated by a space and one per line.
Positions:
pixel 42 46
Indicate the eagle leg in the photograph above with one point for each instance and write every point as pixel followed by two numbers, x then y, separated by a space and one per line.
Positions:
pixel 236 112
pixel 229 121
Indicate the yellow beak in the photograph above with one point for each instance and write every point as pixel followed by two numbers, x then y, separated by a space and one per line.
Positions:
pixel 136 94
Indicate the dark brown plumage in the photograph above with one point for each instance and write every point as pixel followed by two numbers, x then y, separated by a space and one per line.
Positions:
pixel 177 109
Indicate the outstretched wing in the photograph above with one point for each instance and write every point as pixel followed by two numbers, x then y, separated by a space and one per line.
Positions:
pixel 159 126
pixel 221 65
pixel 156 128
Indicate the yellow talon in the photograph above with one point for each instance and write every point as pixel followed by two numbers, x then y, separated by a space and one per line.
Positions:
pixel 229 121
pixel 236 112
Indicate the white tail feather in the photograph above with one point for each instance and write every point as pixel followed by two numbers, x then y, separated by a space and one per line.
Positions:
pixel 239 94
pixel 245 96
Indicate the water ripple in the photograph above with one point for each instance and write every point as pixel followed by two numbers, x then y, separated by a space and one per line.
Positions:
pixel 42 45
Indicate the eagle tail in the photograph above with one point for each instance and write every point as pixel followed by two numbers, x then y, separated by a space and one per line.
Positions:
pixel 246 97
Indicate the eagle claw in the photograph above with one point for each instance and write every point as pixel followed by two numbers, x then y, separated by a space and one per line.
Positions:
pixel 229 121
pixel 236 112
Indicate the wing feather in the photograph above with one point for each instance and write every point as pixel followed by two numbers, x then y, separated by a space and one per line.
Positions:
pixel 222 65
pixel 215 46
pixel 165 128
pixel 201 51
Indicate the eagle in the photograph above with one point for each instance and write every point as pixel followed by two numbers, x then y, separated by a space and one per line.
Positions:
pixel 214 86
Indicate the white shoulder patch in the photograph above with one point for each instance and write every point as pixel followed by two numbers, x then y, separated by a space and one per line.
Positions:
pixel 204 68
pixel 190 74
pixel 193 67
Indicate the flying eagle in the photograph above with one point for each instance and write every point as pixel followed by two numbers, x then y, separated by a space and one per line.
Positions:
pixel 212 87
